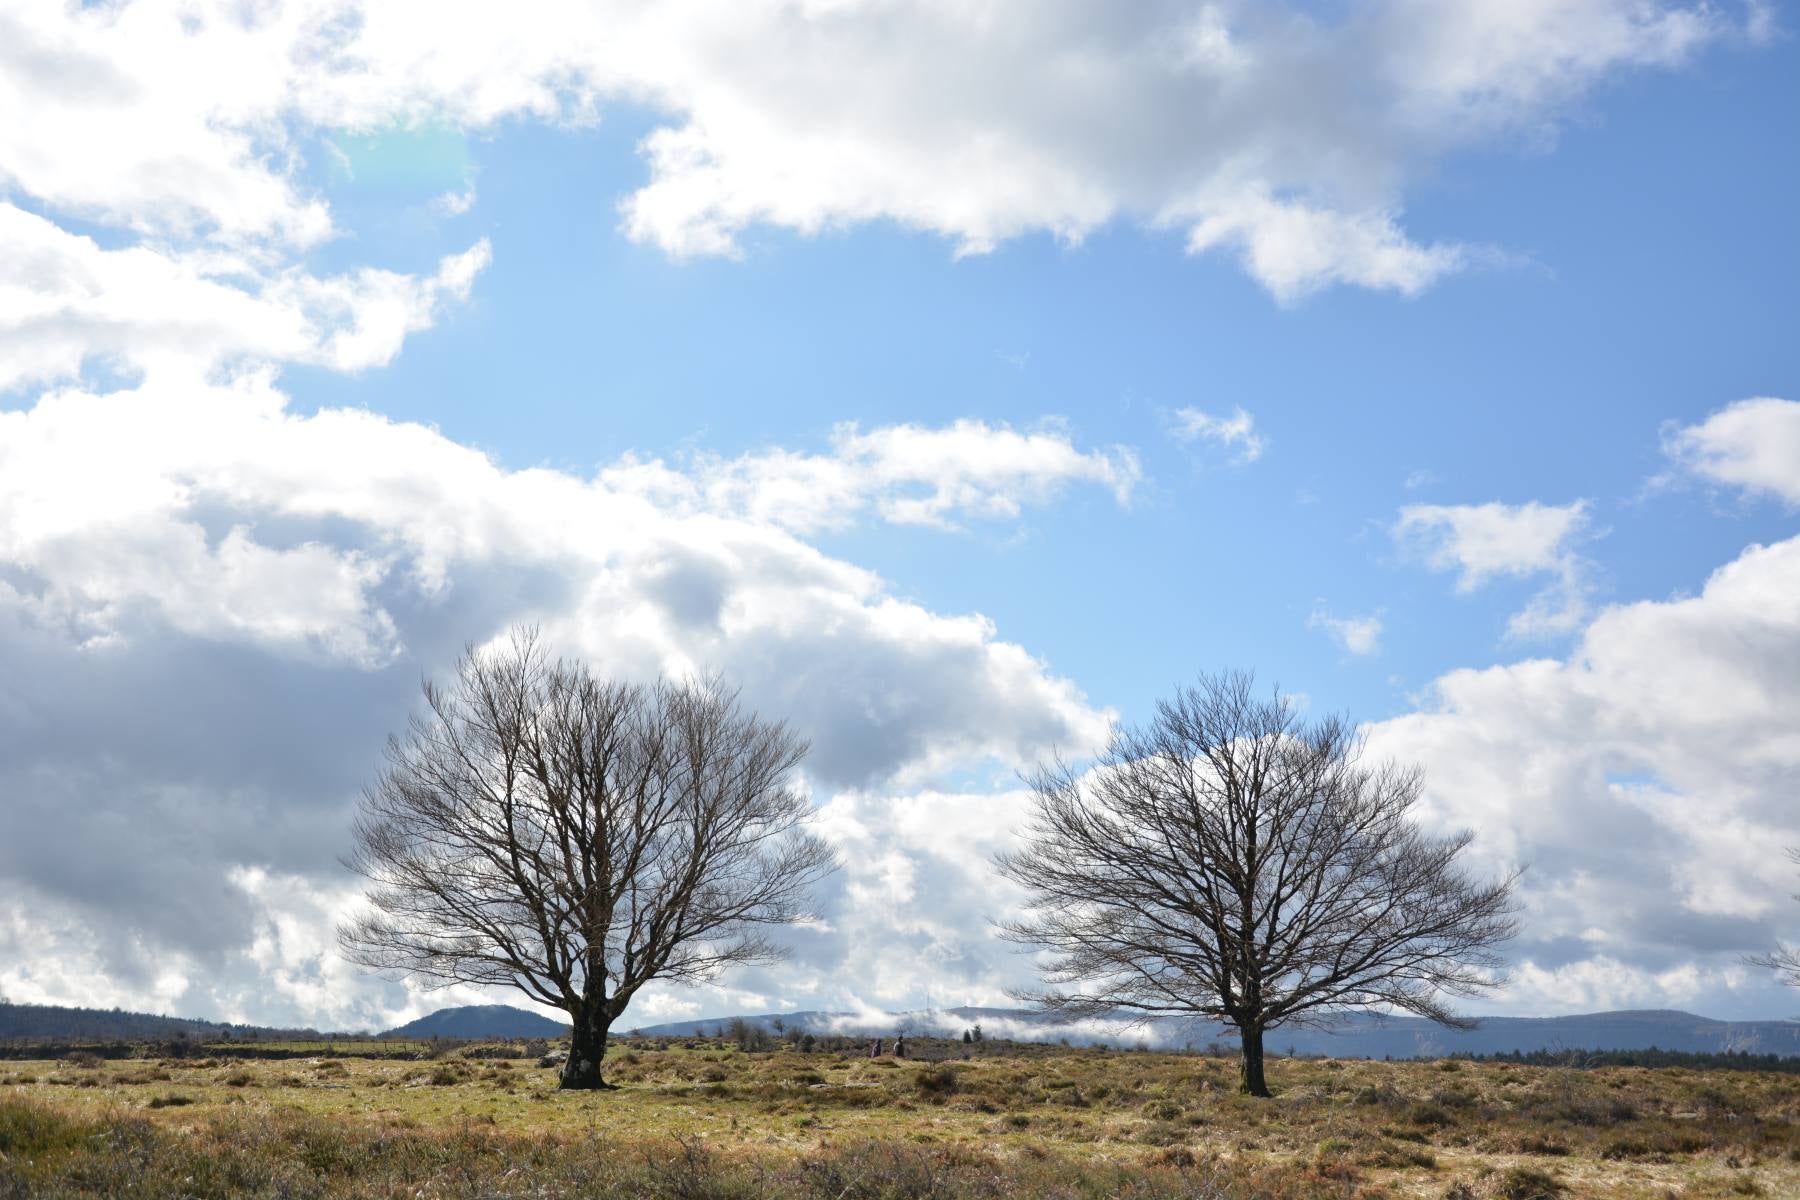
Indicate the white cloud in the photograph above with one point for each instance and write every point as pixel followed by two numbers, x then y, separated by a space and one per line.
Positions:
pixel 66 301
pixel 158 118
pixel 1239 430
pixel 905 474
pixel 154 497
pixel 212 609
pixel 1481 541
pixel 455 204
pixel 1284 135
pixel 1606 984
pixel 1647 779
pixel 1484 541
pixel 1360 636
pixel 1752 444
pixel 1643 777
pixel 1295 249
pixel 914 896
pixel 1252 127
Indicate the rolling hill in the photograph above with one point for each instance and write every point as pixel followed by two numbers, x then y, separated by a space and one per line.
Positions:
pixel 480 1021
pixel 1361 1036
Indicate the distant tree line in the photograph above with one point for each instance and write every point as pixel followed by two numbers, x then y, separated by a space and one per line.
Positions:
pixel 1698 1060
pixel 50 1022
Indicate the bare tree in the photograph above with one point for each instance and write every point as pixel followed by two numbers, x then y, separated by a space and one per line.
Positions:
pixel 576 838
pixel 1230 861
pixel 1783 960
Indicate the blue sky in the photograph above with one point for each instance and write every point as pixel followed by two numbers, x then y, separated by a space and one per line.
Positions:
pixel 975 386
pixel 1643 272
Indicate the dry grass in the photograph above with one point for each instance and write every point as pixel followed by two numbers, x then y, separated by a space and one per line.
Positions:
pixel 704 1120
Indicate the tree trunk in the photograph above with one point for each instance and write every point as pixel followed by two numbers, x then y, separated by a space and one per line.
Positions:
pixel 1251 1080
pixel 587 1049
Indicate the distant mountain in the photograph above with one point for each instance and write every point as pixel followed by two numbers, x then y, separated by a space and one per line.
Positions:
pixel 52 1023
pixel 49 1022
pixel 480 1021
pixel 1361 1036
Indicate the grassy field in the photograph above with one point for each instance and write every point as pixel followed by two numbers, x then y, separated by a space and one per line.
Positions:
pixel 704 1120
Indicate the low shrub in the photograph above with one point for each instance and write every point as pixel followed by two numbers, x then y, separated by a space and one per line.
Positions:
pixel 1527 1183
pixel 940 1080
pixel 1395 1156
pixel 30 1130
pixel 1584 1110
pixel 1430 1116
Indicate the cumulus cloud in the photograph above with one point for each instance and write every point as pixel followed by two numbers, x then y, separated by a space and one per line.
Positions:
pixel 1294 249
pixel 1360 636
pixel 1753 445
pixel 187 866
pixel 212 609
pixel 1647 779
pixel 1481 542
pixel 66 301
pixel 1264 130
pixel 1238 430
pixel 905 474
pixel 293 528
pixel 1644 779
pixel 915 894
pixel 1274 132
pixel 1605 983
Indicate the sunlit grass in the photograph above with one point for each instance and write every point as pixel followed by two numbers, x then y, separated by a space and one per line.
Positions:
pixel 1346 1128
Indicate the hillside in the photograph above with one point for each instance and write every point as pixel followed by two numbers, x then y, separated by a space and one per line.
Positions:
pixel 480 1021
pixel 1361 1036
pixel 48 1022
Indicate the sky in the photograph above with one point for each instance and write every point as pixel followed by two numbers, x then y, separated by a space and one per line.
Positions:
pixel 958 379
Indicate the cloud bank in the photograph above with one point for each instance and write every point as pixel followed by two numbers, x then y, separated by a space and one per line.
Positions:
pixel 213 608
pixel 197 540
pixel 1278 134
pixel 1647 779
